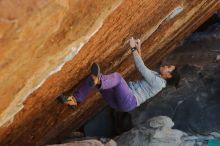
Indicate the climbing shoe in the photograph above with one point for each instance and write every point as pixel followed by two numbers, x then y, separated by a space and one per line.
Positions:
pixel 95 70
pixel 63 99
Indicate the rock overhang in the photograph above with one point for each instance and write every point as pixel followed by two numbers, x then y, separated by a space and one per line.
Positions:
pixel 102 29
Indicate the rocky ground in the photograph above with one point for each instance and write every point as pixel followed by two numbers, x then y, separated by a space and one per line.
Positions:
pixel 157 131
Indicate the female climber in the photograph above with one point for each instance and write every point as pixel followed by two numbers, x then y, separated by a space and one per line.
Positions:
pixel 117 93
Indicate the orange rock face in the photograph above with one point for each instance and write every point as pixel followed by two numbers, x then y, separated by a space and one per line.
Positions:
pixel 47 47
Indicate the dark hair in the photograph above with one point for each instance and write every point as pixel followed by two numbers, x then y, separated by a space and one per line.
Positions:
pixel 174 80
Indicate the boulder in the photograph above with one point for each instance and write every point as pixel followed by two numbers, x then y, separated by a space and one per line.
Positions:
pixel 155 132
pixel 162 134
pixel 48 46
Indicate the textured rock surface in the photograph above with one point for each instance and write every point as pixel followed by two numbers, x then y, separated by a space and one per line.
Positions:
pixel 81 143
pixel 91 142
pixel 40 39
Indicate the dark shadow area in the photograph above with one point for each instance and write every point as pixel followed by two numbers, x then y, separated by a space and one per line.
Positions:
pixel 211 21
